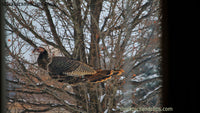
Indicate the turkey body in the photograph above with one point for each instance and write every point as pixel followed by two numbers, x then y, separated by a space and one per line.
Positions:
pixel 65 66
pixel 71 71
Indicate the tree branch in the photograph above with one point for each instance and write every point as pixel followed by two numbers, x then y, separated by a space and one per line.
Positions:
pixel 53 29
pixel 72 108
pixel 32 31
pixel 21 35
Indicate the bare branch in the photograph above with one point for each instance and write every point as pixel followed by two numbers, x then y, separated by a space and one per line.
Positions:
pixel 21 35
pixel 53 30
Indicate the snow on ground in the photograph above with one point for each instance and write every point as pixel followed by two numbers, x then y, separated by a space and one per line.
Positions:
pixel 150 92
pixel 106 111
pixel 102 97
pixel 142 77
pixel 67 102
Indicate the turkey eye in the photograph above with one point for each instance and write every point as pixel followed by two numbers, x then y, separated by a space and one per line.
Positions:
pixel 38 50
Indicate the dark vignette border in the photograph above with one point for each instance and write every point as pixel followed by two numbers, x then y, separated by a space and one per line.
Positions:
pixel 165 54
pixel 2 78
pixel 170 91
pixel 180 54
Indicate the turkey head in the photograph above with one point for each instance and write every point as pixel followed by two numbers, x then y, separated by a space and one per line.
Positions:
pixel 43 59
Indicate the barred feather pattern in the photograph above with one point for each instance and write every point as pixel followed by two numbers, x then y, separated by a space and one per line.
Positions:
pixel 82 69
pixel 63 65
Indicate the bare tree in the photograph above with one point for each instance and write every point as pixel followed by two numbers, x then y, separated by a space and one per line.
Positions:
pixel 106 34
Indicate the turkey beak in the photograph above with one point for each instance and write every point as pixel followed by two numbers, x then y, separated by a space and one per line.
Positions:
pixel 34 50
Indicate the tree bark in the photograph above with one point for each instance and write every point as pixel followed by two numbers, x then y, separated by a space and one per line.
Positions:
pixel 79 50
pixel 94 56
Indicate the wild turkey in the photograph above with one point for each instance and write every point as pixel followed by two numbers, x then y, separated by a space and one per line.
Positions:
pixel 71 71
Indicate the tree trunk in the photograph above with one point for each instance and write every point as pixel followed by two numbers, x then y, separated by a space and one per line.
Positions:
pixel 92 105
pixel 79 50
pixel 94 56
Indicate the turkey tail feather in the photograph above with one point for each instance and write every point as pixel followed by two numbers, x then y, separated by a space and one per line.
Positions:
pixel 103 75
pixel 118 72
pixel 72 80
pixel 100 76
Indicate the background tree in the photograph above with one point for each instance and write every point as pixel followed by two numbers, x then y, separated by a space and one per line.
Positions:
pixel 106 34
